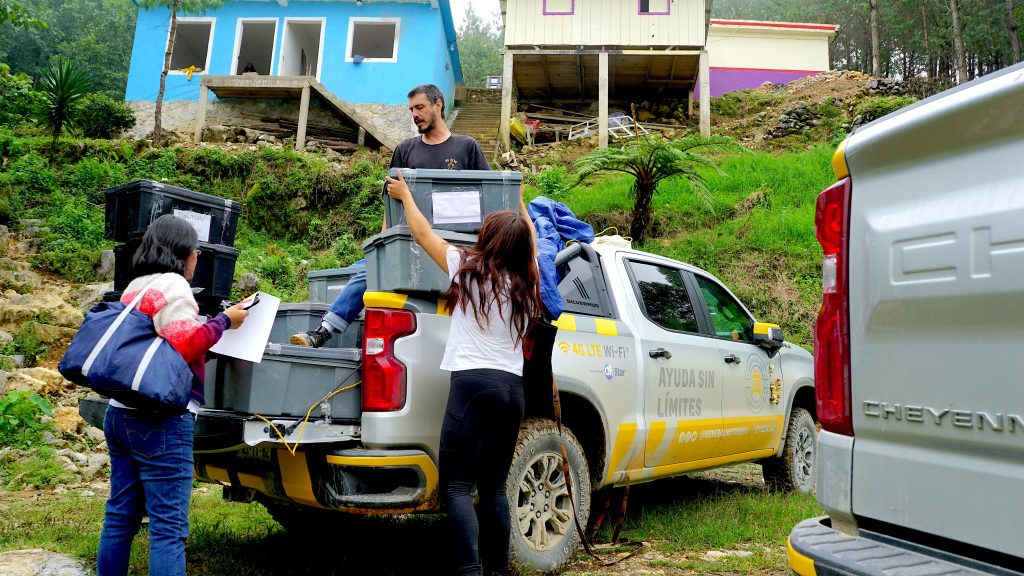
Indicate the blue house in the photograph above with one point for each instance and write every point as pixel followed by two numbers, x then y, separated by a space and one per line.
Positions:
pixel 357 59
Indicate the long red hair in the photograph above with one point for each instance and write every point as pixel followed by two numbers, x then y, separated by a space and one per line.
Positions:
pixel 500 265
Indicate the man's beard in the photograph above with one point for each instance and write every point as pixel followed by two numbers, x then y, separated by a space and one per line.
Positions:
pixel 426 127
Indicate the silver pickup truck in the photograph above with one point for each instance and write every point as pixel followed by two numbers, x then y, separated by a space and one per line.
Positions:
pixel 921 462
pixel 662 371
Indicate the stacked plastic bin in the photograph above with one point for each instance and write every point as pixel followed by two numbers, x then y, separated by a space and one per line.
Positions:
pixel 132 207
pixel 455 203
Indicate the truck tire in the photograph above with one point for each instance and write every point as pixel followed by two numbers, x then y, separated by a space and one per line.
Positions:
pixel 543 530
pixel 795 470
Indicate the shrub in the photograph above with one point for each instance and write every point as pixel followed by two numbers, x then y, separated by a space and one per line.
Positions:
pixel 99 116
pixel 874 107
pixel 74 242
pixel 17 99
pixel 33 182
pixel 19 417
pixel 25 343
pixel 63 86
pixel 553 182
pixel 90 177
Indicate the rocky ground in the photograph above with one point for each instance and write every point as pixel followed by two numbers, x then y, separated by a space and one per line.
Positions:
pixel 53 309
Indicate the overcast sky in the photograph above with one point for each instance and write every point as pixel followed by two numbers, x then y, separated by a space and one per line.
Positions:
pixel 481 7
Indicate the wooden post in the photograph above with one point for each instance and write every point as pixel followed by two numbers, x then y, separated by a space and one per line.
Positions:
pixel 361 138
pixel 602 100
pixel 506 102
pixel 204 95
pixel 705 95
pixel 300 134
pixel 689 105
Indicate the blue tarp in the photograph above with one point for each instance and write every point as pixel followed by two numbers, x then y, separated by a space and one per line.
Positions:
pixel 555 225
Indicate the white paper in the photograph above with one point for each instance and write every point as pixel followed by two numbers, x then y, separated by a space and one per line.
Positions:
pixel 456 207
pixel 248 341
pixel 201 222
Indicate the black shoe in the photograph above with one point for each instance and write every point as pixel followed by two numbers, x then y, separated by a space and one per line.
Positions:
pixel 313 338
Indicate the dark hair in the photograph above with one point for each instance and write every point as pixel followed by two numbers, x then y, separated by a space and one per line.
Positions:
pixel 500 265
pixel 432 92
pixel 166 245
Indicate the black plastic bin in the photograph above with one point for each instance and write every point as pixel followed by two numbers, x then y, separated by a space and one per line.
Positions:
pixel 130 208
pixel 215 271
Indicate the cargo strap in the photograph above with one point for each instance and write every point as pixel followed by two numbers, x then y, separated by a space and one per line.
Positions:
pixel 557 405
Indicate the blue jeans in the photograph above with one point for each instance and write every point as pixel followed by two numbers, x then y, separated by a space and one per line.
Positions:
pixel 150 473
pixel 349 302
pixel 478 439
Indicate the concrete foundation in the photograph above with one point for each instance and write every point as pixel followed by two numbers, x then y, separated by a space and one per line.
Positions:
pixel 180 116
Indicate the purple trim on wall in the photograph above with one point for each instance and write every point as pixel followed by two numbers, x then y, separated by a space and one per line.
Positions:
pixel 639 8
pixel 727 79
pixel 572 10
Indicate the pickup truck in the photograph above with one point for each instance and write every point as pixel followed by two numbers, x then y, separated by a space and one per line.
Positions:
pixel 661 370
pixel 921 453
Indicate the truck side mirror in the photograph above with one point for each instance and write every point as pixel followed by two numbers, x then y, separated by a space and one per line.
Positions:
pixel 769 337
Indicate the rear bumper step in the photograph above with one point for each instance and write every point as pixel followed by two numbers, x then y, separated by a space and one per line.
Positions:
pixel 815 549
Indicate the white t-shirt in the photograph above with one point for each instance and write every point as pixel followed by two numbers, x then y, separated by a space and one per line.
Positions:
pixel 470 347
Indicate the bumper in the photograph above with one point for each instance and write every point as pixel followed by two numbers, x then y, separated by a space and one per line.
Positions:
pixel 815 549
pixel 328 469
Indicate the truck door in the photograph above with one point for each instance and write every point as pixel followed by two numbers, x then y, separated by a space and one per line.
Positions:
pixel 682 368
pixel 752 411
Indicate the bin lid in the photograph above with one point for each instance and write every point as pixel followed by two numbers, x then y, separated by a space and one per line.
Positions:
pixel 402 231
pixel 314 354
pixel 219 248
pixel 466 176
pixel 200 197
pixel 329 272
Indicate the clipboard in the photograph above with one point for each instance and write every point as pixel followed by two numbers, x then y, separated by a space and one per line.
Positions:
pixel 248 341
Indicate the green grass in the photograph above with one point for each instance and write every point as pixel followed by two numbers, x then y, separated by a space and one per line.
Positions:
pixel 680 518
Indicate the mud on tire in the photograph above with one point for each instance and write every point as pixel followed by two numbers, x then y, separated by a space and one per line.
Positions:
pixel 543 530
pixel 795 470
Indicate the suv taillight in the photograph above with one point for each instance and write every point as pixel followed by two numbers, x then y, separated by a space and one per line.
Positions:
pixel 832 330
pixel 384 376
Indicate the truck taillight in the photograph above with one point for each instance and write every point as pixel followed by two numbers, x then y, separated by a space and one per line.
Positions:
pixel 384 376
pixel 832 330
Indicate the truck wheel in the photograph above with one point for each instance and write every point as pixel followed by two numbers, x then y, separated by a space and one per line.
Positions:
pixel 795 469
pixel 543 530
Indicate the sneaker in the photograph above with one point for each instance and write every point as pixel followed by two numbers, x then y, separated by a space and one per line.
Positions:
pixel 313 338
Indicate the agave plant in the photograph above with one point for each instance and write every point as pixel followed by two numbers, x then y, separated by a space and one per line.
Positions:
pixel 651 159
pixel 63 86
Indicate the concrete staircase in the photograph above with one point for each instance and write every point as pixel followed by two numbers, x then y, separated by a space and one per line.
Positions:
pixel 480 120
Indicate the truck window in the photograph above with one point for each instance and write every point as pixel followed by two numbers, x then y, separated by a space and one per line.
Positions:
pixel 728 318
pixel 663 297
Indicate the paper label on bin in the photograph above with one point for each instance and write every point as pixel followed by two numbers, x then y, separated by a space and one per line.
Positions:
pixel 456 207
pixel 201 222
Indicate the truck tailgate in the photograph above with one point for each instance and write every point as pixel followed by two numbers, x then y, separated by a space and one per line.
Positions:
pixel 936 317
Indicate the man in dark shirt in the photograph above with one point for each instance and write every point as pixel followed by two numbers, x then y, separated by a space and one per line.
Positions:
pixel 436 147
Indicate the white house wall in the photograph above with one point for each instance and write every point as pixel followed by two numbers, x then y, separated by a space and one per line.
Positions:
pixel 605 23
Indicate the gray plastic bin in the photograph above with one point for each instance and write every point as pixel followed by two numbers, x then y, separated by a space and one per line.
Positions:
pixel 325 285
pixel 395 262
pixel 494 191
pixel 305 316
pixel 287 382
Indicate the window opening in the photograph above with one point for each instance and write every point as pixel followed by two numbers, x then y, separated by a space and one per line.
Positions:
pixel 300 54
pixel 655 6
pixel 191 45
pixel 664 297
pixel 256 47
pixel 559 7
pixel 373 40
pixel 728 318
